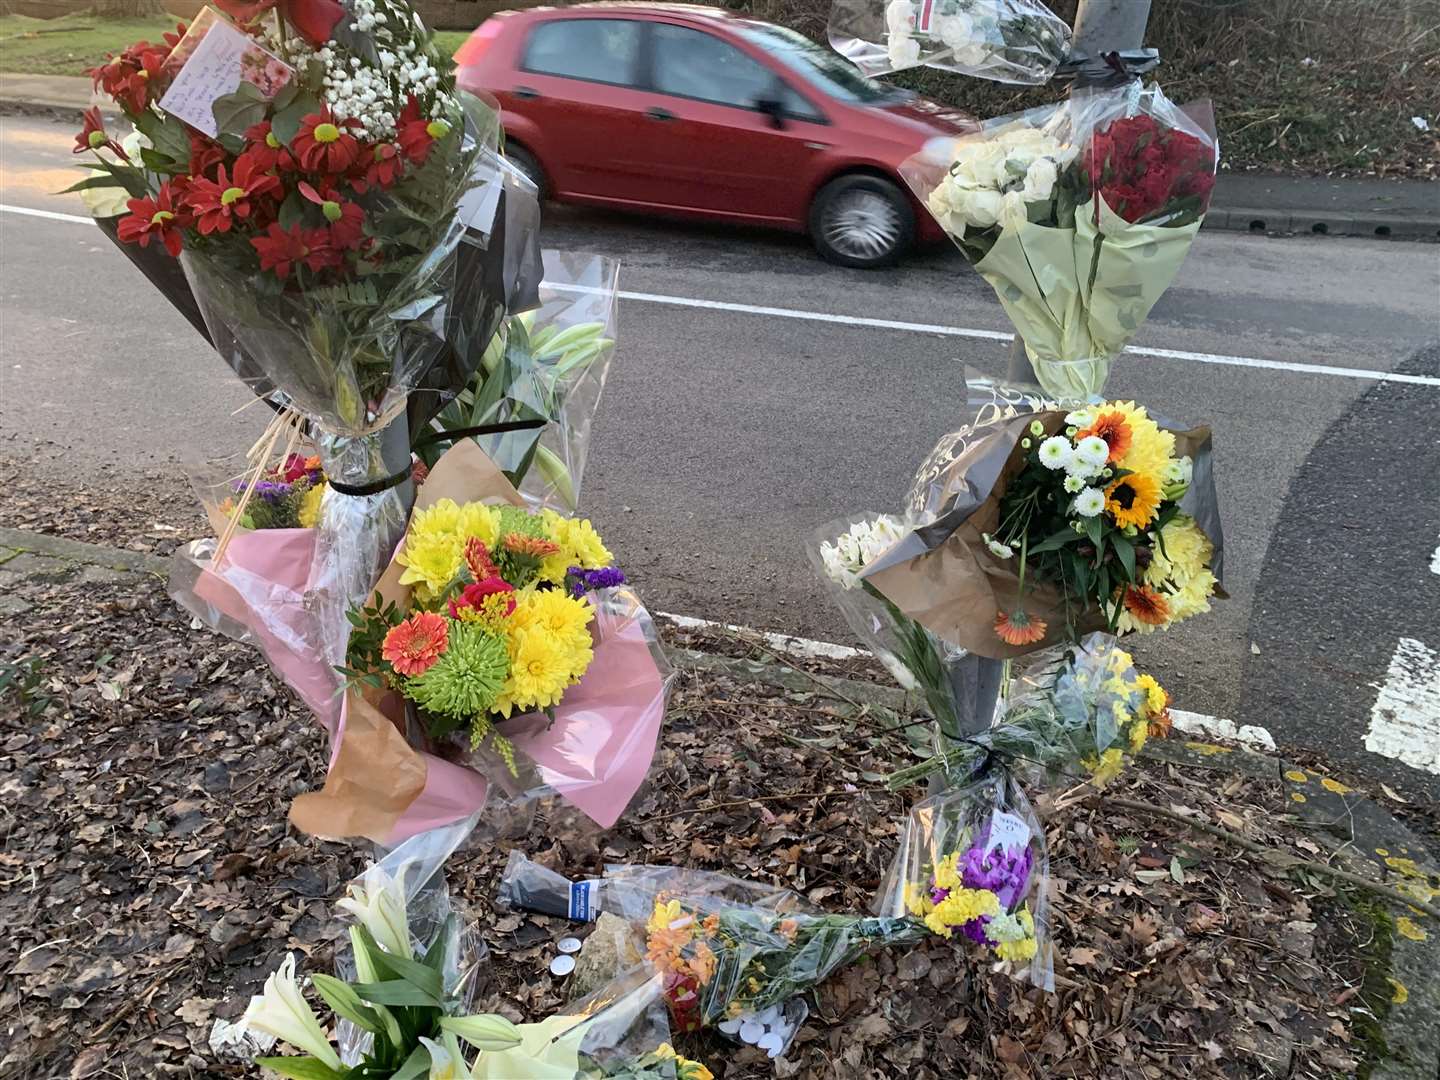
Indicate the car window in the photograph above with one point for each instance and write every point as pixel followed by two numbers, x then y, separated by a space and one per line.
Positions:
pixel 690 63
pixel 827 72
pixel 597 50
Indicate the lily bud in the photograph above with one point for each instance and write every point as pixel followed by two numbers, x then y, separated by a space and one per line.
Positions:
pixel 283 1012
pixel 485 1032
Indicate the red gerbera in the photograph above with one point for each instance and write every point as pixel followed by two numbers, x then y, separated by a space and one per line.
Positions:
pixel 219 203
pixel 417 134
pixel 281 248
pixel 347 220
pixel 1111 427
pixel 1018 627
pixel 266 149
pixel 415 644
pixel 205 154
pixel 150 218
pixel 324 145
pixel 94 137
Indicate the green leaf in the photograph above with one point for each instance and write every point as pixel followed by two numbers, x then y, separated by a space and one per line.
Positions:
pixel 301 1068
pixel 1092 530
pixel 292 210
pixel 168 135
pixel 238 111
pixel 396 992
pixel 1126 552
pixel 417 1064
pixel 91 183
pixel 345 1002
pixel 285 123
pixel 1055 541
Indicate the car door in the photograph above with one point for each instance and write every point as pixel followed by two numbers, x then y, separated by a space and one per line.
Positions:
pixel 577 84
pixel 710 145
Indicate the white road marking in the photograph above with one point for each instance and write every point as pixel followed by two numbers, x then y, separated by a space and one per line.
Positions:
pixel 1221 359
pixel 1435 561
pixel 1405 719
pixel 1216 727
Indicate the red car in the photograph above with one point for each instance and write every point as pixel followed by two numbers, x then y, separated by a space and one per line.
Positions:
pixel 681 109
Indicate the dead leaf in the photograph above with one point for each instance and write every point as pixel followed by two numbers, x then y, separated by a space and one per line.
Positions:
pixel 196 1011
pixel 1082 957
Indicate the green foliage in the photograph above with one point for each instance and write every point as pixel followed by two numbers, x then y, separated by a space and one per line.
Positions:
pixel 364 662
pixel 242 109
pixel 300 1068
pixel 25 680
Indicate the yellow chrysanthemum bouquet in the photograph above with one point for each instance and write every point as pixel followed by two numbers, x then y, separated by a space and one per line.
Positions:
pixel 499 618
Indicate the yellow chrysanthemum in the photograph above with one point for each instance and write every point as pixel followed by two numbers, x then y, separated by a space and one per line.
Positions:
pixel 1193 597
pixel 558 614
pixel 1139 732
pixel 960 907
pixel 540 670
pixel 946 874
pixel 1155 697
pixel 1106 767
pixel 917 899
pixel 1150 448
pixel 1017 952
pixel 309 513
pixel 434 548
pixel 1184 551
pixel 580 545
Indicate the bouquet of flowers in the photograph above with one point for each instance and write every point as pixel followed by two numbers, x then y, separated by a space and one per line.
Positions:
pixel 1037 523
pixel 1008 41
pixel 1081 706
pixel 287 496
pixel 1078 215
pixel 500 656
pixel 972 860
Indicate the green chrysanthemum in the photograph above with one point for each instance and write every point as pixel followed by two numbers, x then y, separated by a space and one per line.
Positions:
pixel 467 678
pixel 515 520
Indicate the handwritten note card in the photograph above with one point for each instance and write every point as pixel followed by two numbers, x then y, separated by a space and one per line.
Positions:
pixel 1008 832
pixel 211 61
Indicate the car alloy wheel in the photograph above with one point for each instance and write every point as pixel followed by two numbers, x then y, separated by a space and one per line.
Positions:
pixel 861 220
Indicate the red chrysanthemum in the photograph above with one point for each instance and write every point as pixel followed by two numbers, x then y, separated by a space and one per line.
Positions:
pixel 267 150
pixel 280 249
pixel 221 202
pixel 159 217
pixel 415 644
pixel 1018 627
pixel 384 168
pixel 93 135
pixel 324 144
pixel 417 134
pixel 134 78
pixel 205 155
pixel 346 220
pixel 477 558
pixel 1111 427
pixel 1146 605
pixel 172 37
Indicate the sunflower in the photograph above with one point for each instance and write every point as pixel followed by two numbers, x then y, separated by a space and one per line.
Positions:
pixel 1018 628
pixel 1133 499
pixel 1150 447
pixel 1110 425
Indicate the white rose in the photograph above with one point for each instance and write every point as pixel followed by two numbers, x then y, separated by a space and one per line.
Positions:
pixel 956 31
pixel 899 17
pixel 982 207
pixel 1012 210
pixel 981 165
pixel 1040 179
pixel 972 55
pixel 904 52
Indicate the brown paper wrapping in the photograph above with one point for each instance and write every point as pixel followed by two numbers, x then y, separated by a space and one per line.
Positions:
pixel 956 588
pixel 376 775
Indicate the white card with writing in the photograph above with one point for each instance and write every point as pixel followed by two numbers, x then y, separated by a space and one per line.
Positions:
pixel 1007 832
pixel 223 58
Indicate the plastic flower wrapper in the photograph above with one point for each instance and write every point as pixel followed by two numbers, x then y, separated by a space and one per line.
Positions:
pixel 1077 710
pixel 1008 41
pixel 402 991
pixel 956 686
pixel 546 367
pixel 972 866
pixel 1035 523
pixel 736 955
pixel 498 660
pixel 1079 215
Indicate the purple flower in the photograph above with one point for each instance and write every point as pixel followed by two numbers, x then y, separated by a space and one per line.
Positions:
pixel 1005 872
pixel 582 581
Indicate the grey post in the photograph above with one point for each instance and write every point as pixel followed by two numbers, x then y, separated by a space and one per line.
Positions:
pixel 1100 26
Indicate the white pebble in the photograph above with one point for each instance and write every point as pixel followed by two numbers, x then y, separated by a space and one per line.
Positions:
pixel 729 1027
pixel 752 1031
pixel 562 965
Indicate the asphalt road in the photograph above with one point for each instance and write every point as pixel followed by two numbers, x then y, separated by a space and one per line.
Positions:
pixel 728 434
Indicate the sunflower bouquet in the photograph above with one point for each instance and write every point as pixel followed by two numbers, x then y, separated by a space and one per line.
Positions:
pixel 499 618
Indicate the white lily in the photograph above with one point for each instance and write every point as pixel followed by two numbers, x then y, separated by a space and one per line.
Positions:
pixel 378 903
pixel 447 1060
pixel 282 1011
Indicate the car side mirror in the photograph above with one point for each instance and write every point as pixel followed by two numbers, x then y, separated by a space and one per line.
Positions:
pixel 774 108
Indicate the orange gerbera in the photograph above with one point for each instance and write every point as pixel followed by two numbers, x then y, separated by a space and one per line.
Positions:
pixel 1018 628
pixel 1111 427
pixel 415 644
pixel 1146 605
pixel 1159 727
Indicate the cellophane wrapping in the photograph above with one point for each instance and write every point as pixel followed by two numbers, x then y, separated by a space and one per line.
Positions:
pixel 1008 41
pixel 941 572
pixel 549 365
pixel 979 837
pixel 735 952
pixel 1079 215
pixel 419 864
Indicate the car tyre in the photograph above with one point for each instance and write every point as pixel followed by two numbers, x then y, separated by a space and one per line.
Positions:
pixel 528 164
pixel 862 221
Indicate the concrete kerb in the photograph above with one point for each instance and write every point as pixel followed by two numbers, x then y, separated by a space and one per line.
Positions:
pixel 1361 833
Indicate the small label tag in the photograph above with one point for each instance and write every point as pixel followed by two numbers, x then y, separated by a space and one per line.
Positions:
pixel 212 60
pixel 582 901
pixel 1007 832
pixel 924 16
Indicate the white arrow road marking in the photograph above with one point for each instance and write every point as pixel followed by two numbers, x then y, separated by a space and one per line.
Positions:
pixel 1435 562
pixel 1405 720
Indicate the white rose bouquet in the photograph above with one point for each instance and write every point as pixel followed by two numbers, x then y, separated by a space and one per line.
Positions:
pixel 1010 41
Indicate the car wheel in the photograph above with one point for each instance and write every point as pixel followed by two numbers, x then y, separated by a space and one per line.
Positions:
pixel 861 221
pixel 526 162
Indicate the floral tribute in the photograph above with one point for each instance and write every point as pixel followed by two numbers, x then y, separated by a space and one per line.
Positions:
pixel 1095 512
pixel 499 618
pixel 287 496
